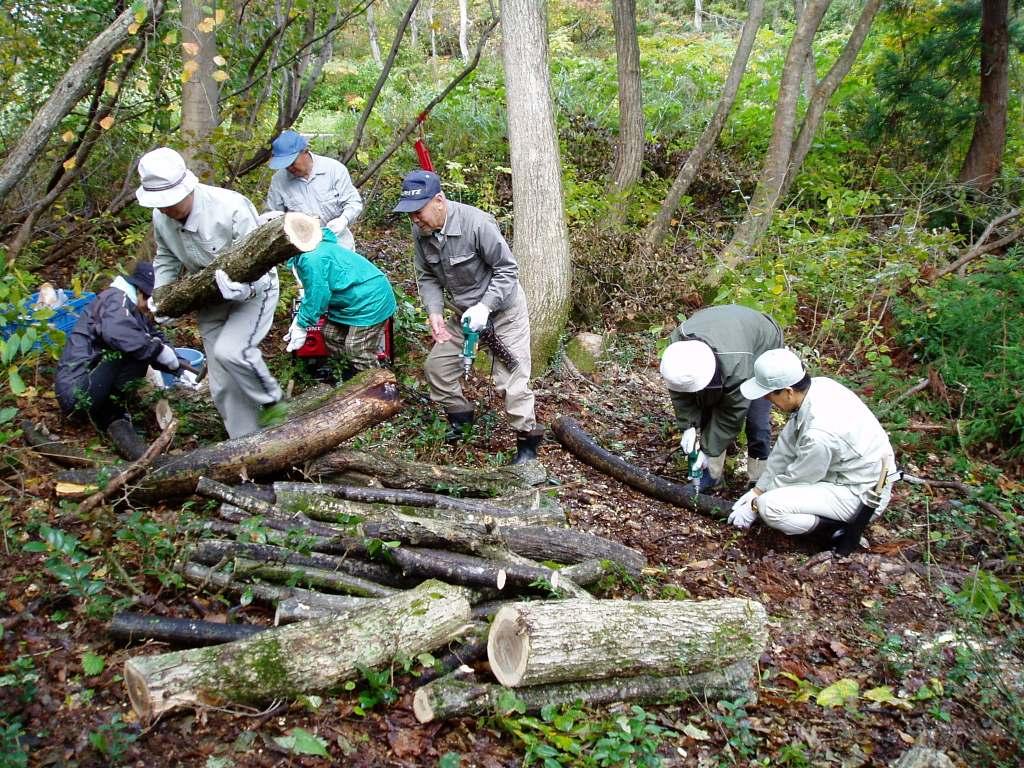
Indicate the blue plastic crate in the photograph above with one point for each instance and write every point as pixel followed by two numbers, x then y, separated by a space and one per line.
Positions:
pixel 63 318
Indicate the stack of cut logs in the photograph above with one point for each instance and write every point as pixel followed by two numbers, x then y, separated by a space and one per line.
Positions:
pixel 368 575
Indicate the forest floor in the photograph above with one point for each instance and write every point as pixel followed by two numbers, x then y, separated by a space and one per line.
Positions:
pixel 883 623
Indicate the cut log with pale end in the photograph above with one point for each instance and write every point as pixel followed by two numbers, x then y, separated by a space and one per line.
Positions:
pixel 308 657
pixel 392 472
pixel 246 261
pixel 369 398
pixel 561 641
pixel 133 627
pixel 454 696
pixel 576 441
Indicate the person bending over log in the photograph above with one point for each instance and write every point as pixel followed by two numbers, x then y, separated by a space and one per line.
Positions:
pixel 824 468
pixel 459 249
pixel 356 298
pixel 711 354
pixel 193 223
pixel 112 344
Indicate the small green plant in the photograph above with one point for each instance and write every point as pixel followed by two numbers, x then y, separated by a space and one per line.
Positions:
pixel 21 674
pixel 72 566
pixel 12 753
pixel 379 689
pixel 301 742
pixel 741 743
pixel 985 594
pixel 113 739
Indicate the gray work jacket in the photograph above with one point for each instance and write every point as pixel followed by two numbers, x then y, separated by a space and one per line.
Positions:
pixel 328 194
pixel 469 258
pixel 738 335
pixel 831 438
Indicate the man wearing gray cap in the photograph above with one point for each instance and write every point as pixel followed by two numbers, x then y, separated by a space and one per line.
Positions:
pixel 313 184
pixel 827 459
pixel 193 223
pixel 459 249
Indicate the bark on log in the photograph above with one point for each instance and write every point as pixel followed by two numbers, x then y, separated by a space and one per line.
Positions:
pixel 293 609
pixel 561 641
pixel 301 658
pixel 368 399
pixel 397 473
pixel 284 523
pixel 42 441
pixel 471 648
pixel 574 439
pixel 317 578
pixel 453 696
pixel 131 627
pixel 467 570
pixel 234 496
pixel 246 261
pixel 473 511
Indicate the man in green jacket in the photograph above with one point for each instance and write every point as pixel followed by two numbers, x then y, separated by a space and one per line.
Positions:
pixel 354 294
pixel 711 355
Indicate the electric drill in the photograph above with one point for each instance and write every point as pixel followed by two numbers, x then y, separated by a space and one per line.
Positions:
pixel 469 342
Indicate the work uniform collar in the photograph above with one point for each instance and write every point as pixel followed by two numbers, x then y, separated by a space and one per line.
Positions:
pixel 452 226
pixel 318 169
pixel 126 288
pixel 198 201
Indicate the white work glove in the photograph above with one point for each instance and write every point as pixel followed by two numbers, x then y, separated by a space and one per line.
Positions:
pixel 743 514
pixel 689 441
pixel 476 316
pixel 231 290
pixel 701 462
pixel 158 319
pixel 168 358
pixel 266 216
pixel 188 379
pixel 295 337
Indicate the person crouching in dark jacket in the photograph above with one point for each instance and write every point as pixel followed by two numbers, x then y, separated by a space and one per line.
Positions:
pixel 112 344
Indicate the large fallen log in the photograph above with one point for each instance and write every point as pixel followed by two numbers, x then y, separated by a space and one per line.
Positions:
pixel 468 510
pixel 574 439
pixel 453 696
pixel 486 482
pixel 315 578
pixel 468 570
pixel 307 657
pixel 248 260
pixel 562 641
pixel 132 627
pixel 42 441
pixel 368 399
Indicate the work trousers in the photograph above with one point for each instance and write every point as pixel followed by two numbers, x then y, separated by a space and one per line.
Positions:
pixel 240 383
pixel 97 394
pixel 443 367
pixel 795 509
pixel 361 345
pixel 759 428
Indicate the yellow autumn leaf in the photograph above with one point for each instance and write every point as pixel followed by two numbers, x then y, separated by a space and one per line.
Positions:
pixel 67 137
pixel 126 51
pixel 220 61
pixel 69 164
pixel 133 28
pixel 191 49
pixel 220 75
pixel 206 25
pixel 111 87
pixel 107 123
pixel 218 16
pixel 190 66
pixel 170 38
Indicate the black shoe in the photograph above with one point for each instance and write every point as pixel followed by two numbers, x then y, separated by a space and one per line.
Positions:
pixel 827 533
pixel 460 426
pixel 527 444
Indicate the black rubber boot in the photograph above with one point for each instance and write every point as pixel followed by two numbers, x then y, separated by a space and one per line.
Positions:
pixel 460 426
pixel 527 444
pixel 827 533
pixel 128 443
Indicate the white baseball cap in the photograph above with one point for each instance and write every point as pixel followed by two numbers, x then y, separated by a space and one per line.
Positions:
pixel 688 366
pixel 775 369
pixel 165 179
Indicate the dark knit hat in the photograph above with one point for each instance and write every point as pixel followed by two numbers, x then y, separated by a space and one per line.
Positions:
pixel 142 278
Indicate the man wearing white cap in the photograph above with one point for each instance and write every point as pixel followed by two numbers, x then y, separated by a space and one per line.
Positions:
pixel 313 184
pixel 193 223
pixel 711 355
pixel 827 459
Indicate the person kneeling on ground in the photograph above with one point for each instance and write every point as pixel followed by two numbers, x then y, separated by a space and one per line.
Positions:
pixel 112 345
pixel 354 294
pixel 828 456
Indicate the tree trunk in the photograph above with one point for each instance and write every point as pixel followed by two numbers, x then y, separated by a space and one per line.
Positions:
pixel 452 696
pixel 41 441
pixel 394 472
pixel 464 29
pixel 313 578
pixel 658 229
pixel 629 149
pixel 776 162
pixel 293 609
pixel 581 445
pixel 551 642
pixel 230 495
pixel 301 658
pixel 467 570
pixel 368 399
pixel 824 91
pixel 698 16
pixel 541 238
pixel 809 76
pixel 371 30
pixel 200 92
pixel 245 261
pixel 72 86
pixel 985 155
pixel 133 627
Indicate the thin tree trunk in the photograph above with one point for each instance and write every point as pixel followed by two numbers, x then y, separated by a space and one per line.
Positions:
pixel 985 155
pixel 629 149
pixel 541 237
pixel 433 33
pixel 371 30
pixel 776 162
pixel 72 86
pixel 200 92
pixel 698 16
pixel 464 29
pixel 658 228
pixel 810 75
